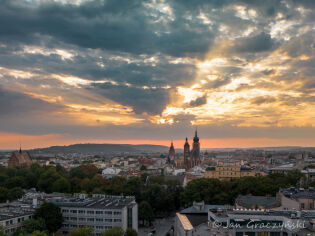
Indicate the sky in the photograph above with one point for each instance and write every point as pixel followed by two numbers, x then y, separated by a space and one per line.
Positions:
pixel 126 71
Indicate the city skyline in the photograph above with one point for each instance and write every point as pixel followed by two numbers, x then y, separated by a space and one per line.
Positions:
pixel 147 72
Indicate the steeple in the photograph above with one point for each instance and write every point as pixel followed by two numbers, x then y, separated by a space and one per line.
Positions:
pixel 20 151
pixel 196 139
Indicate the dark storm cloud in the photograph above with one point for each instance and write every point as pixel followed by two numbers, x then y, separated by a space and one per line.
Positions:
pixel 258 43
pixel 199 101
pixel 18 104
pixel 149 100
pixel 113 25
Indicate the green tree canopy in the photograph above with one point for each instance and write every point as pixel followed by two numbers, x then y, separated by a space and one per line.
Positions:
pixel 130 232
pixel 82 231
pixel 61 185
pixel 115 231
pixel 145 212
pixel 51 214
pixel 32 225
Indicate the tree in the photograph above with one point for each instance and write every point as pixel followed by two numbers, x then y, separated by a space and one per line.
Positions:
pixel 61 185
pixel 145 212
pixel 35 233
pixel 83 231
pixel 47 179
pixel 15 193
pixel 3 194
pixel 32 225
pixel 130 232
pixel 51 214
pixel 115 231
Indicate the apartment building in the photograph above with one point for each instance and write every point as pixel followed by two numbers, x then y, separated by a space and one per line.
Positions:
pixel 101 212
pixel 12 218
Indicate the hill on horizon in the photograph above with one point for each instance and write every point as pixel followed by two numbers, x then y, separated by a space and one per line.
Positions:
pixel 90 148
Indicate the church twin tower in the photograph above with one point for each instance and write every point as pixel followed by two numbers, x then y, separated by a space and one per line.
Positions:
pixel 191 158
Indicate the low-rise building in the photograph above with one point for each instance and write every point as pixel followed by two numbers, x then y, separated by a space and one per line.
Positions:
pixel 298 199
pixel 101 212
pixel 12 218
pixel 261 223
pixel 257 202
pixel 228 172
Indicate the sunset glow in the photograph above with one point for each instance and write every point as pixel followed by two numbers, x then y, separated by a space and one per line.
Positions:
pixel 243 73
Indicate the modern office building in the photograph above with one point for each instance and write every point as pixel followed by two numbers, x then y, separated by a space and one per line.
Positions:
pixel 101 212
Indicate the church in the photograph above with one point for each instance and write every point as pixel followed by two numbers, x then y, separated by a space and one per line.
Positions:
pixel 20 159
pixel 191 157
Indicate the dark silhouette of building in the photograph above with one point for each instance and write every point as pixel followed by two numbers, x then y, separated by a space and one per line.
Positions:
pixel 171 154
pixel 195 152
pixel 20 159
pixel 187 161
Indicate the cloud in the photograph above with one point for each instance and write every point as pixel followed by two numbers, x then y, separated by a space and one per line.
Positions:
pixel 258 43
pixel 18 104
pixel 199 101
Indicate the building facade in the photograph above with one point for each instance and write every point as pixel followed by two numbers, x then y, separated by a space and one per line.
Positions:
pixel 12 219
pixel 101 212
pixel 227 172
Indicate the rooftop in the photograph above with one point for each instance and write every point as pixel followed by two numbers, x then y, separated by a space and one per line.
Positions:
pixel 96 202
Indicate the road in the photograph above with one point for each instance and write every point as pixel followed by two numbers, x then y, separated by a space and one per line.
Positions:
pixel 162 226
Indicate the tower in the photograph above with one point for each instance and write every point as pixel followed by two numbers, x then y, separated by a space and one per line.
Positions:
pixel 171 153
pixel 195 152
pixel 187 155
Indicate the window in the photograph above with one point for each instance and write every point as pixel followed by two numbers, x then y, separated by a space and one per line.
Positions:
pixel 311 206
pixel 73 218
pixel 90 212
pixel 98 212
pixel 117 213
pixel 73 211
pixel 108 220
pixel 108 212
pixel 81 219
pixel 81 212
pixel 65 210
pixel 99 220
pixel 90 219
pixel 302 205
pixel 117 220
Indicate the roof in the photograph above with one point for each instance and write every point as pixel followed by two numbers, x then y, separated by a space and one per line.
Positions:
pixel 23 158
pixel 299 193
pixel 206 208
pixel 94 203
pixel 196 219
pixel 249 201
pixel 184 222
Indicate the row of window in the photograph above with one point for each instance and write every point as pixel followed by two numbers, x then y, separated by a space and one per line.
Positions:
pixel 98 227
pixel 303 206
pixel 92 212
pixel 92 219
pixel 19 220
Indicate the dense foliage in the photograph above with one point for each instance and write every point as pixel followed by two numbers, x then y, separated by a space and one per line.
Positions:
pixel 163 196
